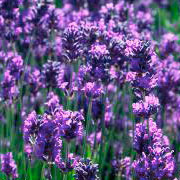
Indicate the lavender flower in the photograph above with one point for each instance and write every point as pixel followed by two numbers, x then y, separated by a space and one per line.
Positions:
pixel 123 167
pixel 140 54
pixel 50 73
pixel 30 127
pixel 147 107
pixel 71 126
pixel 168 45
pixel 52 101
pixel 9 88
pixel 85 169
pixel 155 160
pixel 33 79
pixel 10 13
pixel 71 42
pixel 145 135
pixel 158 165
pixel 99 59
pixel 8 165
pixel 48 143
pixel 68 165
pixel 92 137
pixel 144 21
pixel 92 90
pixel 15 65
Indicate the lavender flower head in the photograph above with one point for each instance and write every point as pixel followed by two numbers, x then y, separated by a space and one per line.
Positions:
pixel 169 44
pixel 33 79
pixel 155 159
pixel 15 65
pixel 30 126
pixel 71 42
pixel 71 124
pixel 50 72
pixel 147 107
pixel 92 137
pixel 8 165
pixel 139 54
pixel 85 169
pixel 145 135
pixel 68 165
pixel 52 101
pixel 47 143
pixel 123 166
pixel 99 59
pixel 158 165
pixel 93 90
pixel 9 88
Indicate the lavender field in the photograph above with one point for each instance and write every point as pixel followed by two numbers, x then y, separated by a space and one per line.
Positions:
pixel 89 90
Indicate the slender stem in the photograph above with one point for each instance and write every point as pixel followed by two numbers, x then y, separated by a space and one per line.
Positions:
pixel 88 120
pixel 94 144
pixel 65 176
pixel 102 155
pixel 49 172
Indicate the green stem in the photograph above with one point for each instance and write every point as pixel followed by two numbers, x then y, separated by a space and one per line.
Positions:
pixel 88 120
pixel 94 144
pixel 102 155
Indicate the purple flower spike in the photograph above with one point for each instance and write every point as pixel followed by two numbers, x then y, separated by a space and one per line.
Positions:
pixel 50 72
pixel 71 126
pixel 85 169
pixel 93 90
pixel 123 166
pixel 155 159
pixel 9 88
pixel 15 65
pixel 30 127
pixel 52 101
pixel 147 107
pixel 71 42
pixel 99 59
pixel 146 134
pixel 8 165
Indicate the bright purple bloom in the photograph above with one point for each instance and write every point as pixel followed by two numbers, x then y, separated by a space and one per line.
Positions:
pixel 93 90
pixel 169 44
pixel 30 127
pixel 122 166
pixel 68 165
pixel 155 159
pixel 92 137
pixel 9 88
pixel 85 169
pixel 144 20
pixel 8 165
pixel 71 42
pixel 52 101
pixel 33 79
pixel 71 125
pixel 50 73
pixel 15 65
pixel 145 135
pixel 48 143
pixel 99 59
pixel 147 107
pixel 139 53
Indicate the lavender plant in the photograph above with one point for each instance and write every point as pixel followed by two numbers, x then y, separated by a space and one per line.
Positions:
pixel 89 90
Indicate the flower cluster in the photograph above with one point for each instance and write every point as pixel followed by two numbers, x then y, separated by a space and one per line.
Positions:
pixel 8 165
pixel 43 134
pixel 13 70
pixel 90 79
pixel 85 169
pixel 155 159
